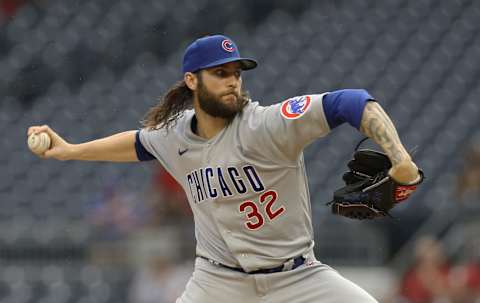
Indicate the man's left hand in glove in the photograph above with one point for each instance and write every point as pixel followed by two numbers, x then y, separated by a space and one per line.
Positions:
pixel 371 186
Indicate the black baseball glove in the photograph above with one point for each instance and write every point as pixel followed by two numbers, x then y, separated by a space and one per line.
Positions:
pixel 369 191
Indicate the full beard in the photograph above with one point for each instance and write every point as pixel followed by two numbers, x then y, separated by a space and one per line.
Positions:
pixel 213 105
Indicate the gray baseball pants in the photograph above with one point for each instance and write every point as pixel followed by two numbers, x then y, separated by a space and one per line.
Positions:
pixel 310 283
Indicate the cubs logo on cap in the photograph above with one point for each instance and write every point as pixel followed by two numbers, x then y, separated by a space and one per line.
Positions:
pixel 212 51
pixel 296 107
pixel 227 45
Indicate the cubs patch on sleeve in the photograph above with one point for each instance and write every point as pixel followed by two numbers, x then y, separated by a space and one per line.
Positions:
pixel 283 129
pixel 295 107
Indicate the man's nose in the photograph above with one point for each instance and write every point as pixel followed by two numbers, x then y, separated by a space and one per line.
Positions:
pixel 233 82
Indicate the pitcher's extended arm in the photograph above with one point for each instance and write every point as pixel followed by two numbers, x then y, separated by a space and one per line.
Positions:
pixel 116 148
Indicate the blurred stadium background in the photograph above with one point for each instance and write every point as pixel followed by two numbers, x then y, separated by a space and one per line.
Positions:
pixel 99 232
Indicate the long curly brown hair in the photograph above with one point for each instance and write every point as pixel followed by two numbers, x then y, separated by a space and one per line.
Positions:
pixel 170 107
pixel 173 104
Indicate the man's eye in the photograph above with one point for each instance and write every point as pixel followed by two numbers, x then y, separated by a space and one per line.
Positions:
pixel 220 73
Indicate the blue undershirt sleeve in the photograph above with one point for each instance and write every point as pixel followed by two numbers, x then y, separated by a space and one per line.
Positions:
pixel 142 153
pixel 345 105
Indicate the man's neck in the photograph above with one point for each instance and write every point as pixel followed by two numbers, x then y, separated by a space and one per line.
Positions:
pixel 207 126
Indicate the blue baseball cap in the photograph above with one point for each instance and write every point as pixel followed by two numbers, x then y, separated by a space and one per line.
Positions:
pixel 211 51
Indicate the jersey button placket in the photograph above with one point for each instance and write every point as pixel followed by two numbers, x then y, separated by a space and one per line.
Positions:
pixel 227 234
pixel 208 153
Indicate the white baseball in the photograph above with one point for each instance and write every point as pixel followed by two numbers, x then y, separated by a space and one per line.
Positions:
pixel 39 143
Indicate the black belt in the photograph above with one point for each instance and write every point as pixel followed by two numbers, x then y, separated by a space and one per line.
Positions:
pixel 297 261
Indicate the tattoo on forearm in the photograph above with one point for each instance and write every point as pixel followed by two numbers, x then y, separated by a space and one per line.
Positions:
pixel 378 126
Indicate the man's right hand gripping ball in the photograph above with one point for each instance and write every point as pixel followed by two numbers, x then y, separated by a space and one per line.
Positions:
pixel 369 191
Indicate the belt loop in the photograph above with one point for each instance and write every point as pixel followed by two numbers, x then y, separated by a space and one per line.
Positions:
pixel 288 265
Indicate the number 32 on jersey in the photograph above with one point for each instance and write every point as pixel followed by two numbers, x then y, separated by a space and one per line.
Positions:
pixel 254 218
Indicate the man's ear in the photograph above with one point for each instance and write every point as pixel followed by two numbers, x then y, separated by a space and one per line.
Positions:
pixel 191 80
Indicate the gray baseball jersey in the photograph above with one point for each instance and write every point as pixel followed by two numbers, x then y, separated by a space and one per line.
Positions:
pixel 247 186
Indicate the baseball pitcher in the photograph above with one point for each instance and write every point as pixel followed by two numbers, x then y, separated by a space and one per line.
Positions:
pixel 242 168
